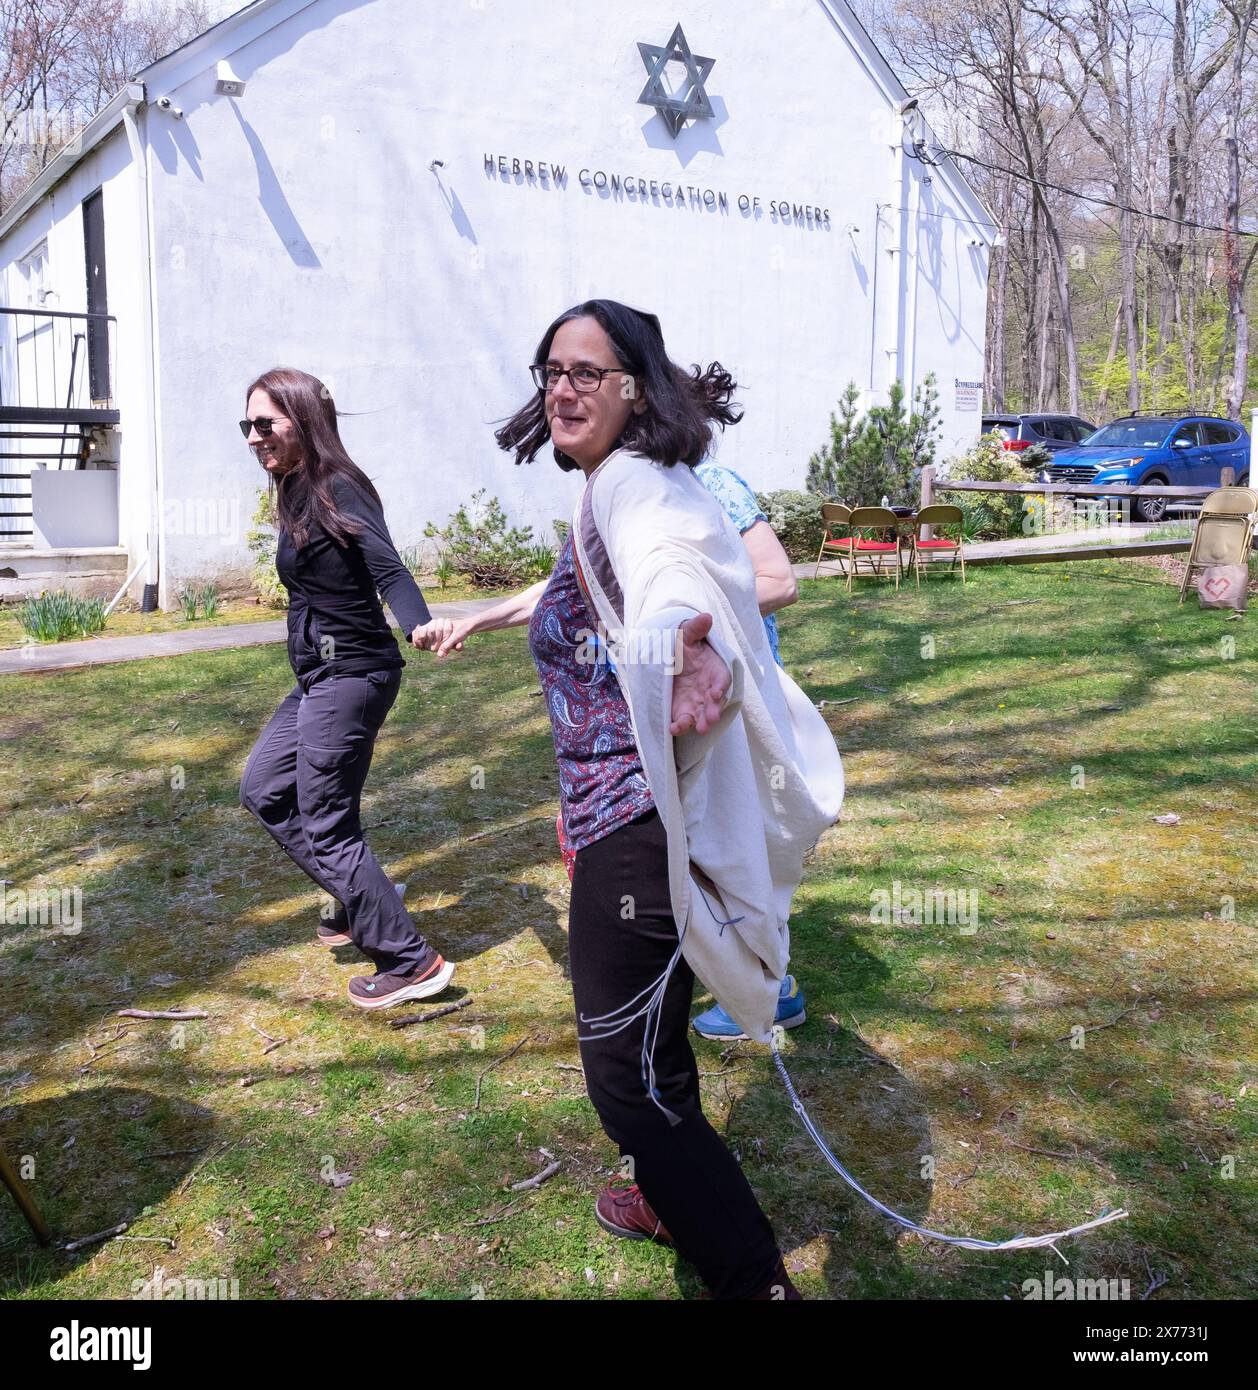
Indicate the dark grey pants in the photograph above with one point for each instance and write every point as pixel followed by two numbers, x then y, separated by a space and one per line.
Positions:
pixel 304 781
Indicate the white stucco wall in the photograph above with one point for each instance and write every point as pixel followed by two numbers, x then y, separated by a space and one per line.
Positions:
pixel 301 225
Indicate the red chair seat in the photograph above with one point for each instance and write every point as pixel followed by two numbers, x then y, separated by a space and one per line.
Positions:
pixel 843 543
pixel 937 545
pixel 877 545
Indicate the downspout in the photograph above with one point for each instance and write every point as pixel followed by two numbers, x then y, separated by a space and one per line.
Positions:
pixel 139 155
pixel 912 247
pixel 891 332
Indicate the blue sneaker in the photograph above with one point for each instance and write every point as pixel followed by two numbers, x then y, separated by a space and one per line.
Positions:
pixel 717 1025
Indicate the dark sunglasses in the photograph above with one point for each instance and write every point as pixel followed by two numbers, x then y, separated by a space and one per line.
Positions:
pixel 263 424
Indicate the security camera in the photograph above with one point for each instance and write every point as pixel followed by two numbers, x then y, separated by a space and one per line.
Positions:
pixel 907 106
pixel 167 105
pixel 436 164
pixel 228 84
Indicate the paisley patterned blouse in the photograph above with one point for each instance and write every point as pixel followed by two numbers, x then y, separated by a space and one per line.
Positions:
pixel 601 782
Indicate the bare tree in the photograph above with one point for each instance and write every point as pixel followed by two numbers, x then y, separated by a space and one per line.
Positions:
pixel 1236 264
pixel 62 59
pixel 987 48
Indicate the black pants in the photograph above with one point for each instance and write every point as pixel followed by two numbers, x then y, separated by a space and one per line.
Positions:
pixel 621 937
pixel 304 780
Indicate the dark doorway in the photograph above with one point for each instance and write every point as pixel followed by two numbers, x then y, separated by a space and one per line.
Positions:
pixel 97 297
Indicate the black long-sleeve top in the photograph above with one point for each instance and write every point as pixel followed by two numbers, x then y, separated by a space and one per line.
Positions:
pixel 334 616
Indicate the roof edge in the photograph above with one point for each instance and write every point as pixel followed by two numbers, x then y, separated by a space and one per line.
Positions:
pixel 848 23
pixel 71 153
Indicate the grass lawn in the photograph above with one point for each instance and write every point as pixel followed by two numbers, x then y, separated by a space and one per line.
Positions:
pixel 1015 738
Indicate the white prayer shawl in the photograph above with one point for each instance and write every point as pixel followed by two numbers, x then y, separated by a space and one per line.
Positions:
pixel 743 803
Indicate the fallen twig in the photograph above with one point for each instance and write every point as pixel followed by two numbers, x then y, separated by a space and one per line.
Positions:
pixel 97 1048
pixel 1048 1153
pixel 178 1015
pixel 1096 1027
pixel 506 1056
pixel 431 1014
pixel 978 1158
pixel 262 1033
pixel 537 1179
pixel 494 1217
pixel 188 1181
pixel 84 1241
pixel 1155 1280
pixel 397 1104
pixel 501 830
pixel 170 1153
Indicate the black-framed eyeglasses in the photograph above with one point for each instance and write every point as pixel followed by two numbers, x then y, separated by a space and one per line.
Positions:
pixel 583 378
pixel 264 424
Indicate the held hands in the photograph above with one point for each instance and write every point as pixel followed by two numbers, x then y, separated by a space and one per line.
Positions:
pixel 699 688
pixel 428 636
pixel 452 640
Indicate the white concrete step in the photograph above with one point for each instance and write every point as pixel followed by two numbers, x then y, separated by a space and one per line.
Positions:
pixel 26 571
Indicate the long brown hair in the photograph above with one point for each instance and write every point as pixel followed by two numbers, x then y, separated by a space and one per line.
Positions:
pixel 305 497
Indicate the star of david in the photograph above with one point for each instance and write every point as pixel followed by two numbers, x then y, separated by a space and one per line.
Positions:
pixel 691 100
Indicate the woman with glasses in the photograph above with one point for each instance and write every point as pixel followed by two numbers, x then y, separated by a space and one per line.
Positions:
pixel 305 776
pixel 693 772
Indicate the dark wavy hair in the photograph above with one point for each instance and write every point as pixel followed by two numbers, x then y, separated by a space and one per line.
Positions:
pixel 305 497
pixel 681 406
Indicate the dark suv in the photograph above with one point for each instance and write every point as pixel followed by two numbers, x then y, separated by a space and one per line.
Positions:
pixel 1181 450
pixel 1054 432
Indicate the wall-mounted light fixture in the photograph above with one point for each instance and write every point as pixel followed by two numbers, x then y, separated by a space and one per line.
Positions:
pixel 228 84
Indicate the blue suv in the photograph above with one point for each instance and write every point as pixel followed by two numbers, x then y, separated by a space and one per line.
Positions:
pixel 1181 450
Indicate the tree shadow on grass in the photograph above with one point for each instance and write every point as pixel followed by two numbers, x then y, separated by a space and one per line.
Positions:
pixel 187 933
pixel 94 1157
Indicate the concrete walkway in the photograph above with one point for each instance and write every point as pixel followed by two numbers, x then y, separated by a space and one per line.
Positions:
pixel 98 651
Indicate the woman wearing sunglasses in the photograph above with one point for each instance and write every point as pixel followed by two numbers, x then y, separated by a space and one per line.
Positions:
pixel 693 775
pixel 305 776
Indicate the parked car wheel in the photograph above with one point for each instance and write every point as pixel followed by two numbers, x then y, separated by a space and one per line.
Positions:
pixel 1150 508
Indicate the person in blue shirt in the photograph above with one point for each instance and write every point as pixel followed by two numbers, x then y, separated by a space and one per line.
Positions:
pixel 775 588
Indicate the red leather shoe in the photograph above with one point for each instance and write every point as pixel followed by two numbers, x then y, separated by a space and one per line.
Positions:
pixel 624 1211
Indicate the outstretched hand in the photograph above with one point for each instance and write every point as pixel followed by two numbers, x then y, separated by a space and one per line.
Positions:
pixel 699 687
pixel 428 636
pixel 453 640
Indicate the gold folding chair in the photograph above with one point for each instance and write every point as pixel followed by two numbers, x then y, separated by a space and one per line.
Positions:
pixel 1224 532
pixel 876 522
pixel 938 547
pixel 833 516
